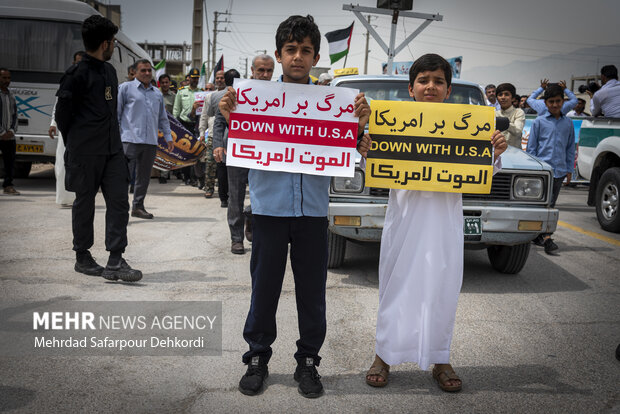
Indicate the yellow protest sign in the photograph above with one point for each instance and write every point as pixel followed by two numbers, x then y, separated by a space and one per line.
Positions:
pixel 431 147
pixel 345 71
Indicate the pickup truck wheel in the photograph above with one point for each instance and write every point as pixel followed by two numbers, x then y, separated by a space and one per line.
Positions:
pixel 607 200
pixel 508 259
pixel 336 246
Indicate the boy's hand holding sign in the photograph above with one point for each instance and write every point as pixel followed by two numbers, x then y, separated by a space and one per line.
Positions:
pixel 426 146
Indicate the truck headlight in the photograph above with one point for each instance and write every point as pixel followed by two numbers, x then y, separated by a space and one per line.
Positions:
pixel 353 184
pixel 528 188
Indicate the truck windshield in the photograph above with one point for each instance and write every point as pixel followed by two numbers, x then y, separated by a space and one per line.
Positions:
pixel 396 90
pixel 38 50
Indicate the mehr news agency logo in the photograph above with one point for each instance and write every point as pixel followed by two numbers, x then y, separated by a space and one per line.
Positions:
pixel 88 322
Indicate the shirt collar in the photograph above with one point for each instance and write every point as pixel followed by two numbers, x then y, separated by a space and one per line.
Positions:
pixel 139 84
pixel 89 59
pixel 508 111
pixel 610 83
pixel 550 115
pixel 280 79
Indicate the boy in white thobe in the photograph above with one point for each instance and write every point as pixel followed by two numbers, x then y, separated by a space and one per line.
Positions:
pixel 421 261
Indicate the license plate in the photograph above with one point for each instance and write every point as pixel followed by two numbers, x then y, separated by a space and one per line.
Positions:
pixel 29 148
pixel 472 226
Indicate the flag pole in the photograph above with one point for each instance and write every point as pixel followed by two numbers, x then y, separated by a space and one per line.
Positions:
pixel 348 46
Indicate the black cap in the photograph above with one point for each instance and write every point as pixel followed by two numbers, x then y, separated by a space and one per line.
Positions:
pixel 194 73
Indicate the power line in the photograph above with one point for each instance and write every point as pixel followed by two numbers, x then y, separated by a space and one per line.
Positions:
pixel 514 37
pixel 241 37
pixel 405 31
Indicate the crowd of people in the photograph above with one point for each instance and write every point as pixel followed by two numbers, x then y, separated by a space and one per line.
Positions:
pixel 109 136
pixel 552 136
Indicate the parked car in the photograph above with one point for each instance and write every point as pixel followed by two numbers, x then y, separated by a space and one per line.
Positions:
pixel 504 222
pixel 599 162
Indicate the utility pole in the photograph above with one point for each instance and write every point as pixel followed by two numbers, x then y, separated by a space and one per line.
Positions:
pixel 208 54
pixel 215 31
pixel 391 50
pixel 366 54
pixel 242 61
pixel 197 35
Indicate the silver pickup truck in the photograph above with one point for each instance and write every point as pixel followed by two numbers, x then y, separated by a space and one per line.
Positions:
pixel 504 221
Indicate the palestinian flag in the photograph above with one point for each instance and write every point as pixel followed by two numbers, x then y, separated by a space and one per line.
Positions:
pixel 339 42
pixel 218 66
pixel 203 76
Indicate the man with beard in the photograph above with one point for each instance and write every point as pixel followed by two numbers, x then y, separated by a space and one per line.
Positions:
pixel 87 119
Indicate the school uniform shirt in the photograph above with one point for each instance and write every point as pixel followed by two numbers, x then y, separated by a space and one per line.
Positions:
pixel 141 112
pixel 514 132
pixel 539 104
pixel 284 194
pixel 553 141
pixel 606 101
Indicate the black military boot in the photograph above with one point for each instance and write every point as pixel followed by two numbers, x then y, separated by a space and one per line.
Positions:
pixel 85 263
pixel 121 270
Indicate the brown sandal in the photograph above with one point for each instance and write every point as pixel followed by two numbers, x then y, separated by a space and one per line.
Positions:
pixel 380 369
pixel 444 373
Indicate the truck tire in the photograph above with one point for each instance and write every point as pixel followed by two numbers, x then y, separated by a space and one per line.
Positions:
pixel 336 246
pixel 608 200
pixel 508 259
pixel 22 169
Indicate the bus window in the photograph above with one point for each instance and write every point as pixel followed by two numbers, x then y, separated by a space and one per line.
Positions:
pixel 38 46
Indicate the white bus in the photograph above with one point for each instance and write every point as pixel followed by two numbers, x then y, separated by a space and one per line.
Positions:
pixel 37 41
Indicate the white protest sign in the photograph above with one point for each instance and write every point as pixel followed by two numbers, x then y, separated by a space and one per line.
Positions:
pixel 294 128
pixel 200 98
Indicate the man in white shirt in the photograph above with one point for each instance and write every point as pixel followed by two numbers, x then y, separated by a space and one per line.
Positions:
pixel 490 92
pixel 505 93
pixel 606 101
pixel 578 112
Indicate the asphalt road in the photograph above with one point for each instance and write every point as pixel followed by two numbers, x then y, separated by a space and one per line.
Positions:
pixel 543 340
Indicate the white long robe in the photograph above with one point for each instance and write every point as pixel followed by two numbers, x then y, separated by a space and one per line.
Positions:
pixel 62 195
pixel 420 276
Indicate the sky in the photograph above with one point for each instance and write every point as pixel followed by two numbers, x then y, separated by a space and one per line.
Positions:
pixel 484 32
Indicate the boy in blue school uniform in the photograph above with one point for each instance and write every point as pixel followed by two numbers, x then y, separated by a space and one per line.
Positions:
pixel 552 139
pixel 289 208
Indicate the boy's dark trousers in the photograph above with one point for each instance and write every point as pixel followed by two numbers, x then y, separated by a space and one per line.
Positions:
pixel 308 239
pixel 556 186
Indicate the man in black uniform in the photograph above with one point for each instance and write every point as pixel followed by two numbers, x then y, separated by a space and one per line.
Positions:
pixel 86 117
